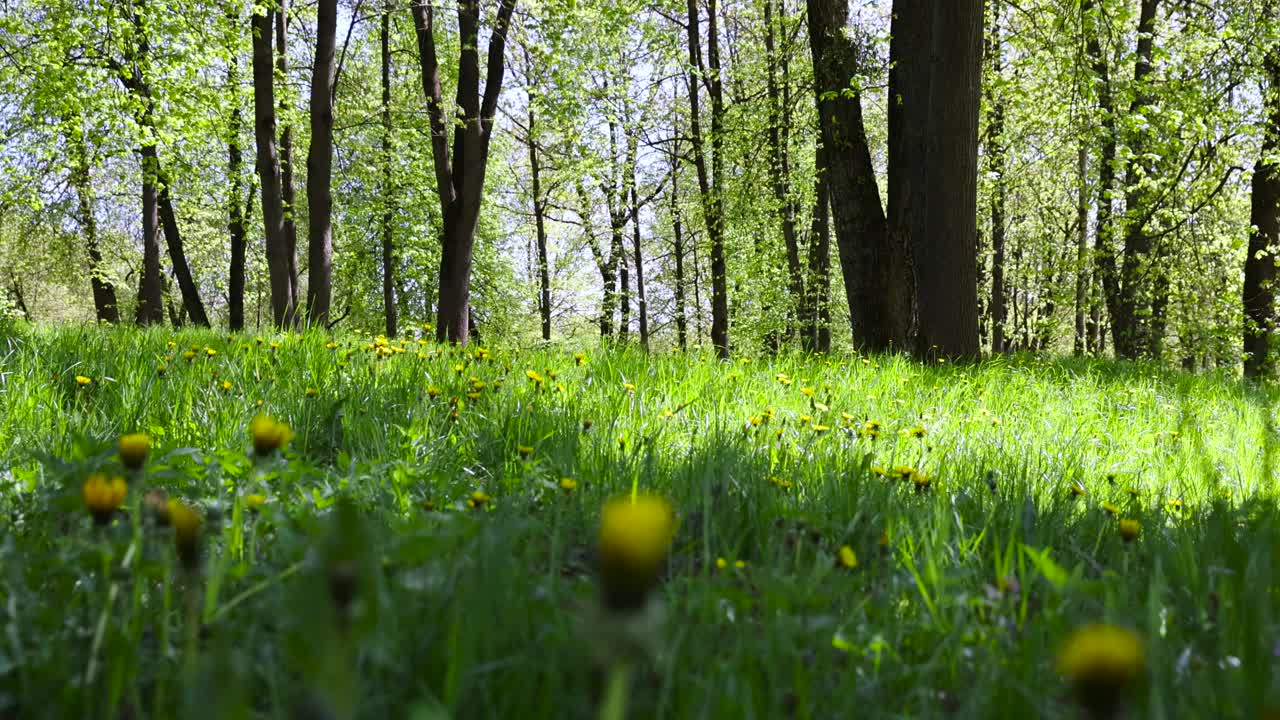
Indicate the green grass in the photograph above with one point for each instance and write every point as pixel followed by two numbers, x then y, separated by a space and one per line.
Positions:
pixel 962 595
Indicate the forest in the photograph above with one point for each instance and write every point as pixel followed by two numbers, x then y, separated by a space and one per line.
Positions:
pixel 619 359
pixel 1091 177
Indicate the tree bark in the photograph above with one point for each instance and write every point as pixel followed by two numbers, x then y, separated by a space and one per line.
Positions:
pixel 779 141
pixel 709 177
pixel 1104 255
pixel 1264 237
pixel 1081 342
pixel 389 310
pixel 642 308
pixel 192 307
pixel 235 215
pixel 540 226
pixel 320 168
pixel 944 256
pixel 460 174
pixel 104 292
pixel 873 268
pixel 999 163
pixel 283 308
pixel 816 336
pixel 682 320
pixel 286 156
pixel 603 264
pixel 1132 323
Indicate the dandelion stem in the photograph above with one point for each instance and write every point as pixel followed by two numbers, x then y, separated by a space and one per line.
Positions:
pixel 616 693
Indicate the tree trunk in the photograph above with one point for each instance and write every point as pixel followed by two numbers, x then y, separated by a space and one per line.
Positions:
pixel 873 268
pixel 104 292
pixel 283 309
pixel 778 139
pixel 605 266
pixel 1080 344
pixel 151 289
pixel 944 256
pixel 997 157
pixel 540 226
pixel 192 307
pixel 460 174
pixel 682 320
pixel 817 333
pixel 235 216
pixel 389 310
pixel 1264 237
pixel 709 179
pixel 286 157
pixel 320 169
pixel 1132 323
pixel 641 306
pixel 1104 255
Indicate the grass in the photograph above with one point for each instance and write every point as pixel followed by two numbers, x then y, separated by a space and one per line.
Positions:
pixel 963 590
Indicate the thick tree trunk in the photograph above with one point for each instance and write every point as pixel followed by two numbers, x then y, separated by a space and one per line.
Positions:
pixel 1132 323
pixel 320 169
pixel 283 309
pixel 709 178
pixel 944 256
pixel 460 174
pixel 873 268
pixel 389 310
pixel 778 139
pixel 104 292
pixel 1264 238
pixel 151 288
pixel 286 157
pixel 235 215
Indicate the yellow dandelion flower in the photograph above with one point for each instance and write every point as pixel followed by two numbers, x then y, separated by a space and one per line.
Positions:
pixel 1111 508
pixel 186 532
pixel 82 380
pixel 819 428
pixel 1129 529
pixel 1102 662
pixel 478 500
pixel 568 484
pixel 847 557
pixel 225 386
pixel 629 387
pixel 255 501
pixel 635 533
pixel 103 496
pixel 524 450
pixel 189 355
pixel 268 434
pixel 806 391
pixel 210 352
pixel 721 563
pixel 331 345
pixel 161 370
pixel 1077 490
pixel 433 391
pixel 133 449
pixel 579 359
pixel 534 377
pixel 311 392
pixel 922 482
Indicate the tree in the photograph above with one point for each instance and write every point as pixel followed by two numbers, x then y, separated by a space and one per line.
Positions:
pixel 390 312
pixel 1264 235
pixel 104 292
pixel 320 168
pixel 709 174
pixel 279 265
pixel 460 175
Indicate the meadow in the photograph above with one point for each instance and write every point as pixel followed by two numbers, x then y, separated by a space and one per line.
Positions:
pixel 855 536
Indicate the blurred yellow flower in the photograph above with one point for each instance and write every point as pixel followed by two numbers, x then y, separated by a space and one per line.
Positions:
pixel 568 484
pixel 847 557
pixel 1101 662
pixel 133 449
pixel 103 496
pixel 81 380
pixel 311 392
pixel 186 532
pixel 635 533
pixel 478 500
pixel 1129 529
pixel 255 501
pixel 268 434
